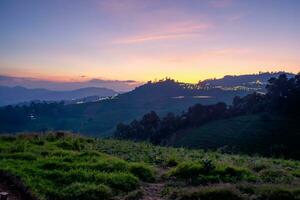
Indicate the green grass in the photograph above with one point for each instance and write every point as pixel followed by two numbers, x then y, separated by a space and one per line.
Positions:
pixel 48 164
pixel 65 166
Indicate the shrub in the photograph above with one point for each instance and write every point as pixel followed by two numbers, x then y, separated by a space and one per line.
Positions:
pixel 119 181
pixel 142 171
pixel 75 145
pixel 275 176
pixel 78 145
pixel 122 181
pixel 19 146
pixel 86 192
pixel 296 173
pixel 208 166
pixel 259 166
pixel 187 170
pixel 106 165
pixel 60 153
pixel 233 174
pixel 171 162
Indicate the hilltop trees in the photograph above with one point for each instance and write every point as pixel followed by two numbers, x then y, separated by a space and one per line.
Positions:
pixel 282 97
pixel 157 130
pixel 284 94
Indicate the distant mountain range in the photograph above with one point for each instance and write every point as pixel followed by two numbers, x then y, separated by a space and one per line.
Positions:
pixel 32 83
pixel 15 95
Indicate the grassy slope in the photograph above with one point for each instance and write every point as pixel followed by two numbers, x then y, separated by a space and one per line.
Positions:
pixel 250 134
pixel 72 167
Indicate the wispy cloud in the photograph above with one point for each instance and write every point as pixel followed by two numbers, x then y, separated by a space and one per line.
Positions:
pixel 220 3
pixel 167 32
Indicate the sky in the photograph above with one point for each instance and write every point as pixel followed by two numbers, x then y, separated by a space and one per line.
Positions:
pixel 188 40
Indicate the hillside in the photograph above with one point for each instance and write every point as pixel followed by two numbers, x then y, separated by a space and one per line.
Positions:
pixel 100 118
pixel 60 166
pixel 15 95
pixel 262 133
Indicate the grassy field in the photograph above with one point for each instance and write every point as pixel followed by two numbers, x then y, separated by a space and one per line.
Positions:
pixel 64 166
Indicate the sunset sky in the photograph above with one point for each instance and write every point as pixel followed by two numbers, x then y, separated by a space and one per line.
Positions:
pixel 188 40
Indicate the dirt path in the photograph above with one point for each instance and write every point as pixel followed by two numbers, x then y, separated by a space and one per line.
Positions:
pixel 15 189
pixel 13 193
pixel 153 191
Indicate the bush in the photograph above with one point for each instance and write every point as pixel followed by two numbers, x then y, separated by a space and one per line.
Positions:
pixel 296 173
pixel 75 145
pixel 142 171
pixel 233 174
pixel 119 181
pixel 187 170
pixel 275 176
pixel 171 162
pixel 208 166
pixel 106 165
pixel 38 142
pixel 122 181
pixel 258 166
pixel 19 146
pixel 86 192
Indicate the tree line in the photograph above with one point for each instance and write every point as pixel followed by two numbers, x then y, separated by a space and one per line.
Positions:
pixel 282 97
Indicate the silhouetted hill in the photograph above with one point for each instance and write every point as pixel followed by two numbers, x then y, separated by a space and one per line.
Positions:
pixel 14 95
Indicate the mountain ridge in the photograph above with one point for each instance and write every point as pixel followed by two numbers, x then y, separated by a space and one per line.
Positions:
pixel 19 94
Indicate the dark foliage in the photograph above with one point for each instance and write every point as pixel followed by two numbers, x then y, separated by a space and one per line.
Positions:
pixel 282 97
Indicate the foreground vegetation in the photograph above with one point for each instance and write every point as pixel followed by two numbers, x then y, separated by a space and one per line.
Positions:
pixel 64 166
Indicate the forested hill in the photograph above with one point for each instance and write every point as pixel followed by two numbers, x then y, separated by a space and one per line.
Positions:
pixel 256 123
pixel 100 118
